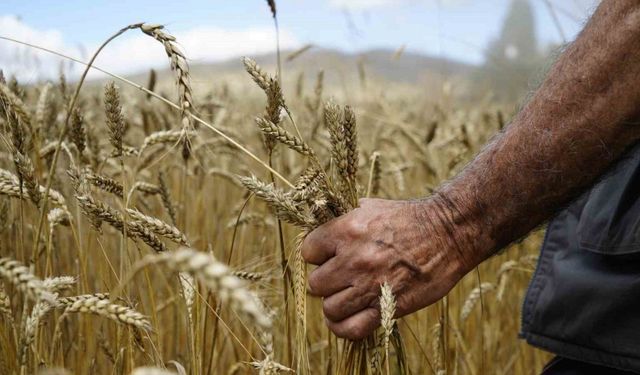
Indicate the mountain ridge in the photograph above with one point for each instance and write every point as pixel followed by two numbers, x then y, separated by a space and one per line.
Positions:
pixel 378 64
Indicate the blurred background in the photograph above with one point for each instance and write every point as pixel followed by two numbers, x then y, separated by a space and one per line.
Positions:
pixel 464 48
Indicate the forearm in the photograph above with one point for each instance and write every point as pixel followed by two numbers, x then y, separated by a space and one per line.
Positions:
pixel 578 122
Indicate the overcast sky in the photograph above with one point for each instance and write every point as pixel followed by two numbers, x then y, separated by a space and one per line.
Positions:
pixel 214 30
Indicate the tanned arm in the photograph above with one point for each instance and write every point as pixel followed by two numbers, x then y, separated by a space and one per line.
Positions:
pixel 579 121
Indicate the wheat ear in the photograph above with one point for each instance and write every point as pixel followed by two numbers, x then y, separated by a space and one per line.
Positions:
pixel 97 212
pixel 159 227
pixel 181 69
pixel 249 276
pixel 339 153
pixel 59 283
pixel 115 120
pixel 161 137
pixel 40 309
pixel 438 348
pixel 269 367
pixel 261 78
pixel 59 216
pixel 165 195
pixel 44 108
pixel 13 106
pixel 25 170
pixel 300 295
pixel 63 302
pixel 20 276
pixel 188 285
pixel 375 171
pixel 283 205
pixel 100 306
pixel 10 186
pixel 473 299
pixel 503 276
pixel 308 179
pixel 105 183
pixel 217 277
pixel 146 188
pixel 387 313
pixel 278 133
pixel 38 312
pixel 5 305
pixel 78 133
pixel 351 144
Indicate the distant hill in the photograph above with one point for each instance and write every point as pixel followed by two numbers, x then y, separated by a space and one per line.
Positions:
pixel 340 68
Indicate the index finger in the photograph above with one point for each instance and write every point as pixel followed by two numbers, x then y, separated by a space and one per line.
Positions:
pixel 319 245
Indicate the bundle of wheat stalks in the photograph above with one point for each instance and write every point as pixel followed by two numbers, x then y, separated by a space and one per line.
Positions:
pixel 133 240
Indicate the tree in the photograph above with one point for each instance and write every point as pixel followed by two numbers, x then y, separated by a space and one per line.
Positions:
pixel 512 59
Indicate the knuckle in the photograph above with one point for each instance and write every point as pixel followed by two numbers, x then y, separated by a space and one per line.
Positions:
pixel 333 327
pixel 407 303
pixel 360 265
pixel 369 263
pixel 355 227
pixel 364 202
pixel 308 246
pixel 306 253
pixel 338 329
pixel 356 331
pixel 340 332
pixel 329 309
pixel 314 283
pixel 365 261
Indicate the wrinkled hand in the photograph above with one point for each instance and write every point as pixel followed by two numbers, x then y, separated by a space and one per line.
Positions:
pixel 406 243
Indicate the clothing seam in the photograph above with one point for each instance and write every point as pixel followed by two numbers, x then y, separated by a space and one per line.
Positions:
pixel 537 283
pixel 604 249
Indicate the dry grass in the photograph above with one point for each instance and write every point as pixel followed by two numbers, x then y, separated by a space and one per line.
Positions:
pixel 238 304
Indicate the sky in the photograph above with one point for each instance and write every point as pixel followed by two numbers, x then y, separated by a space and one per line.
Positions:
pixel 216 30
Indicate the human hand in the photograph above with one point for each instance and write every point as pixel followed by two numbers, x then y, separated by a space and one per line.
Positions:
pixel 409 244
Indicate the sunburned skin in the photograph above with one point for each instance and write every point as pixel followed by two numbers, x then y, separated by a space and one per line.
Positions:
pixel 581 119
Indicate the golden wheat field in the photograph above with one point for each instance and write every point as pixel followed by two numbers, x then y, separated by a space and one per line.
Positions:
pixel 156 230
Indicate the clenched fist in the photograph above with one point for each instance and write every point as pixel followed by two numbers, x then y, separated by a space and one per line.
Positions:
pixel 410 244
